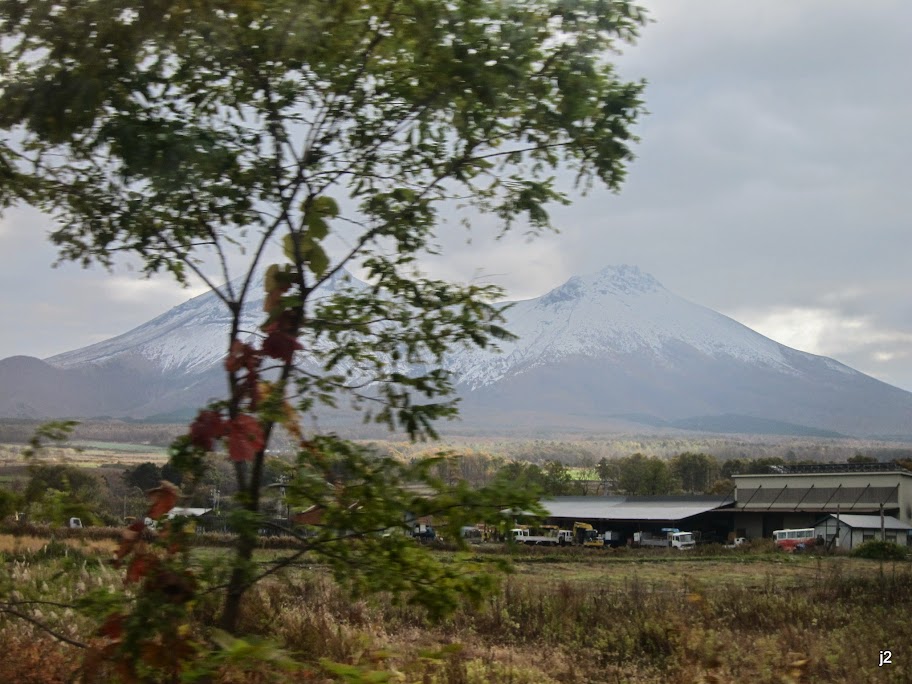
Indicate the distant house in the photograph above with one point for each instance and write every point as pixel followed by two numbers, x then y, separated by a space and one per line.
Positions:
pixel 854 530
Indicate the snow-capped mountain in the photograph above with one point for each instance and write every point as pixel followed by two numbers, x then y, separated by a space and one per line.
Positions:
pixel 618 345
pixel 616 311
pixel 610 348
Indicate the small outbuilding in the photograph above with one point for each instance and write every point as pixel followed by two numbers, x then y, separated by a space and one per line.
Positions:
pixel 853 530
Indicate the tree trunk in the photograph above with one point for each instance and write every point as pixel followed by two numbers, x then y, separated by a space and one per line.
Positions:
pixel 237 585
pixel 247 540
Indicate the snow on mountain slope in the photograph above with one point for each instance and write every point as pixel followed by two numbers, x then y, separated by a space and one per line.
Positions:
pixel 619 310
pixel 601 347
pixel 191 338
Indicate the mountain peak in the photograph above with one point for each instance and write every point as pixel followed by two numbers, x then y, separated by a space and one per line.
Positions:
pixel 624 279
pixel 611 280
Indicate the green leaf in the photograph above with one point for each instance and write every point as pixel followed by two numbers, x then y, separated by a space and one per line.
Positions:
pixel 317 228
pixel 325 206
pixel 270 280
pixel 317 260
pixel 288 247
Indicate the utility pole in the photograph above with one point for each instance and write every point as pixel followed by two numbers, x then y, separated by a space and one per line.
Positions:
pixel 883 534
pixel 838 530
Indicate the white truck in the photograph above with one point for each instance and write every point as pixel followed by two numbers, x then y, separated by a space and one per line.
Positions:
pixel 551 536
pixel 667 538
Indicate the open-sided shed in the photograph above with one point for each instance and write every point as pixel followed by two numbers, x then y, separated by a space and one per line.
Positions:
pixel 628 514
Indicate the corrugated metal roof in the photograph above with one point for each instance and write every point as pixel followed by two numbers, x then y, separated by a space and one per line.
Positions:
pixel 630 508
pixel 870 522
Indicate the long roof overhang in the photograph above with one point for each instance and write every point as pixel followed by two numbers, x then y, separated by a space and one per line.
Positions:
pixel 631 509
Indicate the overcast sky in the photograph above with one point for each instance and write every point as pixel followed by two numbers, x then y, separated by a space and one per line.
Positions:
pixel 772 184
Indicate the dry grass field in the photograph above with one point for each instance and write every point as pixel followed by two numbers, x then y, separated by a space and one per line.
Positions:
pixel 87 455
pixel 583 618
pixel 567 616
pixel 28 545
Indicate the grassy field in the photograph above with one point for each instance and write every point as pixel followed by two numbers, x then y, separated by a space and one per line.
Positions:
pixel 88 454
pixel 578 619
pixel 120 447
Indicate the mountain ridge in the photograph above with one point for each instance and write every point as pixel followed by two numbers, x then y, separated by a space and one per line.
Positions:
pixel 611 343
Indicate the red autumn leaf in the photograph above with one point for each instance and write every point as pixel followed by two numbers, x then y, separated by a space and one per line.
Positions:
pixel 235 355
pixel 112 627
pixel 280 345
pixel 175 587
pixel 125 671
pixel 241 355
pixel 128 539
pixel 285 321
pixel 91 663
pixel 140 565
pixel 250 387
pixel 154 654
pixel 162 499
pixel 208 427
pixel 169 534
pixel 245 438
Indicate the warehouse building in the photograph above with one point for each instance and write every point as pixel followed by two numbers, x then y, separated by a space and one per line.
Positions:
pixel 799 496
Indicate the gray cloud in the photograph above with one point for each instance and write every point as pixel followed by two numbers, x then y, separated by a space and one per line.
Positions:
pixel 46 311
pixel 771 184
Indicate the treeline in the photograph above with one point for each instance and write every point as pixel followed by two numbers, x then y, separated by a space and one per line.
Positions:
pixel 53 493
pixel 638 474
pixel 583 452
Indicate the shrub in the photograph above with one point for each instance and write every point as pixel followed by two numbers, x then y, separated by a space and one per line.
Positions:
pixel 881 550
